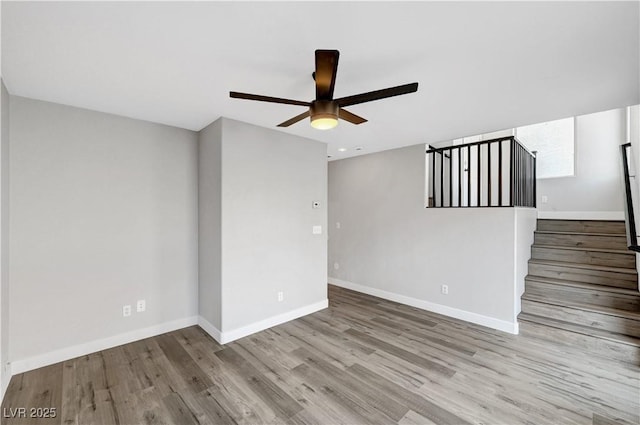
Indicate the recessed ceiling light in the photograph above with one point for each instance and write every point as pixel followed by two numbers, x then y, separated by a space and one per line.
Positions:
pixel 359 148
pixel 342 149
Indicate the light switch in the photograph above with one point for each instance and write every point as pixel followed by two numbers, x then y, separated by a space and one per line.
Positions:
pixel 317 230
pixel 337 224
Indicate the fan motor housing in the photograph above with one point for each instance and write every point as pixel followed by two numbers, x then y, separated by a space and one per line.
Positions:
pixel 324 109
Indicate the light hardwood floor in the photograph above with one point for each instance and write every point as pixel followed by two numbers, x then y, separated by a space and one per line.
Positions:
pixel 362 361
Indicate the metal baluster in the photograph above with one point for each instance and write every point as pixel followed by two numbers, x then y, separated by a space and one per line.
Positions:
pixel 535 179
pixel 512 146
pixel 518 176
pixel 500 173
pixel 489 174
pixel 529 181
pixel 468 176
pixel 521 177
pixel 442 178
pixel 479 170
pixel 459 178
pixel 433 178
pixel 450 177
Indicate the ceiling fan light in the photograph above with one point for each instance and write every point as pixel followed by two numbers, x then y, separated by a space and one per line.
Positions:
pixel 324 114
pixel 323 122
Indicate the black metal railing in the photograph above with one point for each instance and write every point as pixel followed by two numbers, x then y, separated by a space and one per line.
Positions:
pixel 492 173
pixel 630 220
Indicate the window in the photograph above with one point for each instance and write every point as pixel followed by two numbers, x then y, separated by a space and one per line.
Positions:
pixel 554 142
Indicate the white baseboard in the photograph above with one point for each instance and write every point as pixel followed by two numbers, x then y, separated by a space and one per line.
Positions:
pixel 208 327
pixel 6 378
pixel 479 319
pixel 581 215
pixel 229 336
pixel 56 356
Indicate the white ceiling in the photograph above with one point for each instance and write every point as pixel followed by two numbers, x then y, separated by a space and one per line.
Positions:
pixel 481 66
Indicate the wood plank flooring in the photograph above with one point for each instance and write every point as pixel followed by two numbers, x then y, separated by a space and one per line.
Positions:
pixel 363 360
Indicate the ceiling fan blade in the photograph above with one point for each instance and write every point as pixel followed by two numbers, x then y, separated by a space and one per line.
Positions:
pixel 348 116
pixel 295 119
pixel 260 98
pixel 325 75
pixel 377 94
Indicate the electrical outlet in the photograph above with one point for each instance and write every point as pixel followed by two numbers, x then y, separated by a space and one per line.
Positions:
pixel 545 199
pixel 280 296
pixel 126 310
pixel 445 289
pixel 337 224
pixel 141 306
pixel 316 230
pixel 336 266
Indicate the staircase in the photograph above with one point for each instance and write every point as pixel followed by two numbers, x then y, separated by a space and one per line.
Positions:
pixel 583 279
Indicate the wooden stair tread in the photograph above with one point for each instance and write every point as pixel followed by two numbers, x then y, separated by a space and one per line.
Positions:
pixel 626 314
pixel 580 248
pixel 556 232
pixel 584 266
pixel 584 330
pixel 582 285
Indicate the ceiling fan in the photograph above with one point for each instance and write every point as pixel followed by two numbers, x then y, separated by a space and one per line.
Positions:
pixel 325 110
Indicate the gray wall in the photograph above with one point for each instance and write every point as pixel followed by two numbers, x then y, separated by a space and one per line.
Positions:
pixel 103 213
pixel 210 223
pixel 4 241
pixel 388 241
pixel 596 185
pixel 634 135
pixel 269 181
pixel 634 138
